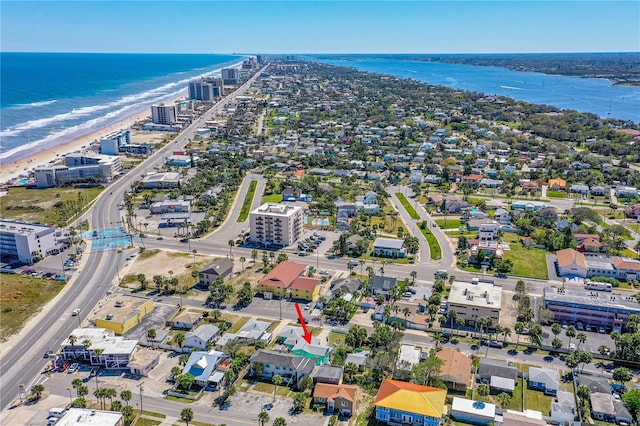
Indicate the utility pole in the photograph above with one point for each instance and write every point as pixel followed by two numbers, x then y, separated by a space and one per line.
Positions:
pixel 141 389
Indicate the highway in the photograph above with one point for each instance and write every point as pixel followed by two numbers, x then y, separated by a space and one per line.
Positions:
pixel 24 363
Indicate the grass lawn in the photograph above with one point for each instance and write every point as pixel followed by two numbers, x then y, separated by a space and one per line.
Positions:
pixel 537 400
pixel 434 246
pixel 154 414
pixel 516 401
pixel 268 388
pixel 272 198
pixel 47 205
pixel 248 200
pixel 143 421
pixel 22 296
pixel 237 322
pixel 450 223
pixel 336 339
pixel 526 262
pixel 627 253
pixel 556 194
pixel 407 205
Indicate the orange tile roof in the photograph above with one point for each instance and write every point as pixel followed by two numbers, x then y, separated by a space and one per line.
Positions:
pixel 304 283
pixel 283 274
pixel 625 264
pixel 411 398
pixel 456 365
pixel 330 392
pixel 568 256
pixel 557 181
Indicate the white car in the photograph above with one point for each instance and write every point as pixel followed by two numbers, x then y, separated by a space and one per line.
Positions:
pixel 75 312
pixel 74 367
pixel 572 346
pixel 307 306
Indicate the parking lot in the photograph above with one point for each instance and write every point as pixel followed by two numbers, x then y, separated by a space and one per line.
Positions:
pixel 593 342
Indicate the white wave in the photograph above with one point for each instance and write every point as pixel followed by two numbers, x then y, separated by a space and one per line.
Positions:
pixel 33 104
pixel 511 88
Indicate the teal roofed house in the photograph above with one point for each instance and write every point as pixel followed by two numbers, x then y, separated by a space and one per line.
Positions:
pixel 316 352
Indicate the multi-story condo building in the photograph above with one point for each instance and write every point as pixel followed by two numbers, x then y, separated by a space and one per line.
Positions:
pixel 111 144
pixel 206 90
pixel 164 114
pixel 590 309
pixel 276 224
pixel 475 300
pixel 230 76
pixel 79 167
pixel 25 241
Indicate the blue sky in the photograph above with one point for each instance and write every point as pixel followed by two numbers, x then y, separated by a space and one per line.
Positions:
pixel 513 26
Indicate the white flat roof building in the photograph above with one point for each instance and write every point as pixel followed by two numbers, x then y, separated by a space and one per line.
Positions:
pixel 161 180
pixel 20 240
pixel 475 300
pixel 276 224
pixel 84 416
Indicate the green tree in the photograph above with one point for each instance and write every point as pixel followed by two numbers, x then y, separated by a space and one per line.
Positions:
pixel 279 421
pixel 425 371
pixel 127 413
pixel 556 343
pixel 556 329
pixel 350 370
pixel 186 415
pixel 299 402
pixel 277 381
pixel 483 390
pixel 263 417
pixel 37 390
pixel 581 338
pixel 185 381
pixel 622 374
pixel 151 335
pixel 179 339
pixel 356 336
pixel 126 396
pixel 504 399
pixel 632 400
pixel 570 333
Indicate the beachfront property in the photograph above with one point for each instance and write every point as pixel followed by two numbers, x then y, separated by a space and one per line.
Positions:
pixel 79 167
pixel 164 114
pixel 573 264
pixel 590 309
pixel 24 242
pixel 274 224
pixel 230 76
pixel 106 349
pixel 472 412
pixel 475 300
pixel 122 314
pixel 111 144
pixel 206 90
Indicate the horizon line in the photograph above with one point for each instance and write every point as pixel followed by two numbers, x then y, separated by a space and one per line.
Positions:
pixel 328 53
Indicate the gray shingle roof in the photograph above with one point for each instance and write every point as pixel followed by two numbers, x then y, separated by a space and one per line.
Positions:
pixel 298 363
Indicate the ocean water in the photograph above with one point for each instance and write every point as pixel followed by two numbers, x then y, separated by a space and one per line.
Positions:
pixel 598 96
pixel 47 99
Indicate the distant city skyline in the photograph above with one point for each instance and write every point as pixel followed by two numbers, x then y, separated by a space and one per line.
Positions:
pixel 514 26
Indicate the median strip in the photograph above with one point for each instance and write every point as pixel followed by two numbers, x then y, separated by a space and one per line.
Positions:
pixel 248 200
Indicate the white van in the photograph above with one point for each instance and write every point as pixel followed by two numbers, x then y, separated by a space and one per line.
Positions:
pixel 57 412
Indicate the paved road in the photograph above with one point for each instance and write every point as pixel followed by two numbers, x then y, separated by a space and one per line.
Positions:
pixel 24 362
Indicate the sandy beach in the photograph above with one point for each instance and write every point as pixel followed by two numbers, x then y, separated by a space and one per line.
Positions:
pixel 22 167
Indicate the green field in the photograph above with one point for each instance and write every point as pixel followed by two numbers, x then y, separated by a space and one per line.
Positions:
pixel 556 194
pixel 248 200
pixel 47 205
pixel 449 223
pixel 405 203
pixel 434 246
pixel 20 297
pixel 537 400
pixel 530 262
pixel 272 198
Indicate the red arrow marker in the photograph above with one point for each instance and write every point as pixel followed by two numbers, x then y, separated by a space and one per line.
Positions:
pixel 306 336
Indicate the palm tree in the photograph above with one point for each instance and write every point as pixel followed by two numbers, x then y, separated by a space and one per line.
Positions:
pixel 178 339
pixel 350 370
pixel 194 251
pixel 582 337
pixel 254 255
pixel 36 390
pixel 242 260
pixel 151 335
pixel 72 340
pixel 186 415
pixel 519 329
pixel 279 421
pixel 460 322
pixel 503 399
pixel 263 418
pixel 126 395
pixel 231 245
pixel 453 315
pixel 413 276
pixel 506 331
pixel 570 333
pixel 277 381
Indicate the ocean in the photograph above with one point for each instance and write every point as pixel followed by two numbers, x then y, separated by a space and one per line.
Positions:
pixel 597 96
pixel 47 99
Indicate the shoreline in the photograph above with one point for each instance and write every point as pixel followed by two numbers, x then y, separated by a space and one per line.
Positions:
pixel 13 170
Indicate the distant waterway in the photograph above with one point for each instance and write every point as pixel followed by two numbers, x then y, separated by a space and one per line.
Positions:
pixel 597 96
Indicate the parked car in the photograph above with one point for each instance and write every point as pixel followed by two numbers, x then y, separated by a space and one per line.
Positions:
pixel 48 353
pixel 306 321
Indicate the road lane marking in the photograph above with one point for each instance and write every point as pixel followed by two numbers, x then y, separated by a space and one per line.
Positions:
pixel 199 414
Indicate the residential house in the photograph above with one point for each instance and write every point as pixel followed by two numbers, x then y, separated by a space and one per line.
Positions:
pixel 290 367
pixel 358 358
pixel 389 247
pixel 626 192
pixel 201 336
pixel 340 398
pixel 604 407
pixel 186 320
pixel 599 191
pixel 202 366
pixel 354 244
pixel 346 285
pixel 320 354
pixel 563 409
pixel 415 176
pixel 456 369
pixel 248 335
pixel 579 188
pixel 529 185
pixel 523 418
pixel 502 216
pixel 382 285
pixel 529 206
pixel 498 374
pixel 329 374
pixel 633 210
pixel 557 184
pixel 222 267
pixel 491 183
pixel 488 230
pixel 408 403
pixel 472 412
pixel 305 288
pixel 277 282
pixel 291 335
pixel 408 357
pixel 544 379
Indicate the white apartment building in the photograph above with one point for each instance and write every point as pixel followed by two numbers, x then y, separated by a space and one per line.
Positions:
pixel 230 76
pixel 79 167
pixel 488 231
pixel 475 300
pixel 20 240
pixel 276 224
pixel 106 349
pixel 206 90
pixel 164 114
